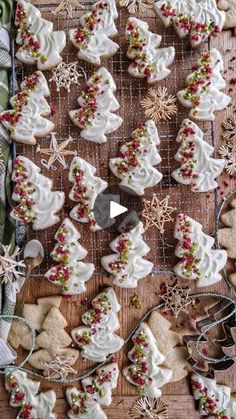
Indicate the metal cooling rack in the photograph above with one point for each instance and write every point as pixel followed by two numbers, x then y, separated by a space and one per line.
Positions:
pixel 202 207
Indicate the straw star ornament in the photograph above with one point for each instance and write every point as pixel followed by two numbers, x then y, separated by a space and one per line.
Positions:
pixel 9 265
pixel 59 366
pixel 134 6
pixel 57 152
pixel 68 6
pixel 65 75
pixel 177 299
pixel 157 212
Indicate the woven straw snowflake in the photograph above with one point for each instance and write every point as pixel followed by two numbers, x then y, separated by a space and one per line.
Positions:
pixel 159 105
pixel 134 6
pixel 157 212
pixel 65 75
pixel 229 155
pixel 229 134
pixel 147 407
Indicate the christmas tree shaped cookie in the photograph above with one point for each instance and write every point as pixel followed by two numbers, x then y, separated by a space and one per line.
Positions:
pixel 214 399
pixel 38 43
pixel 127 265
pixel 92 38
pixel 24 395
pixel 96 392
pixel 26 121
pixel 145 372
pixel 227 235
pixel 134 167
pixel 36 203
pixel 52 343
pixel 203 92
pixel 99 87
pixel 97 101
pixel 149 61
pixel 197 168
pixel 69 273
pixel 170 344
pixel 199 18
pixel 97 338
pixel 85 190
pixel 35 314
pixel 198 261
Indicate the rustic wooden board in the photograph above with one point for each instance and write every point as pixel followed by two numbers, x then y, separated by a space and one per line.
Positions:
pixel 177 396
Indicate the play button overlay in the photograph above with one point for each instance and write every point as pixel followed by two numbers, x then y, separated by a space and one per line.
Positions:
pixel 116 209
pixel 108 209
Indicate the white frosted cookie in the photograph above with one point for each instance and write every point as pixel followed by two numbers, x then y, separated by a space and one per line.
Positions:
pixel 197 168
pixel 85 191
pixel 97 338
pixel 82 406
pixel 92 37
pixel 97 101
pixel 198 261
pixel 97 87
pixel 199 18
pixel 134 167
pixel 146 372
pixel 24 394
pixel 127 265
pixel 38 43
pixel 149 61
pixel 36 204
pixel 214 399
pixel 70 273
pixel 26 121
pixel 203 92
pixel 97 391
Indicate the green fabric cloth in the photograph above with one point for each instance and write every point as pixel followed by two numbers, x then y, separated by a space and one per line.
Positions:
pixel 6 226
pixel 6 8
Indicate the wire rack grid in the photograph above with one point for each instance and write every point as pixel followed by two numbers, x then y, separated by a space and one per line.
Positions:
pixel 129 93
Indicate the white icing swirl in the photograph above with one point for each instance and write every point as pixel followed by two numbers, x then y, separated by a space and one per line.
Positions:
pixel 97 339
pixel 70 273
pixel 95 117
pixel 147 360
pixel 31 122
pixel 82 407
pixel 92 39
pixel 135 177
pixel 97 391
pixel 199 18
pixel 45 202
pixel 85 190
pixel 149 61
pixel 48 43
pixel 198 261
pixel 205 98
pixel 127 265
pixel 197 168
pixel 208 388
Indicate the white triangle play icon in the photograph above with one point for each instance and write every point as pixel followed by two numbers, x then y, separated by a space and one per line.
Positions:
pixel 116 209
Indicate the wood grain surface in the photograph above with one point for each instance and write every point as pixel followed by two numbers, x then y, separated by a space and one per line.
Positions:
pixel 177 396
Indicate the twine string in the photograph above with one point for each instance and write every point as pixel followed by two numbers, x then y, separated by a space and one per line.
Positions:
pixel 6 368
